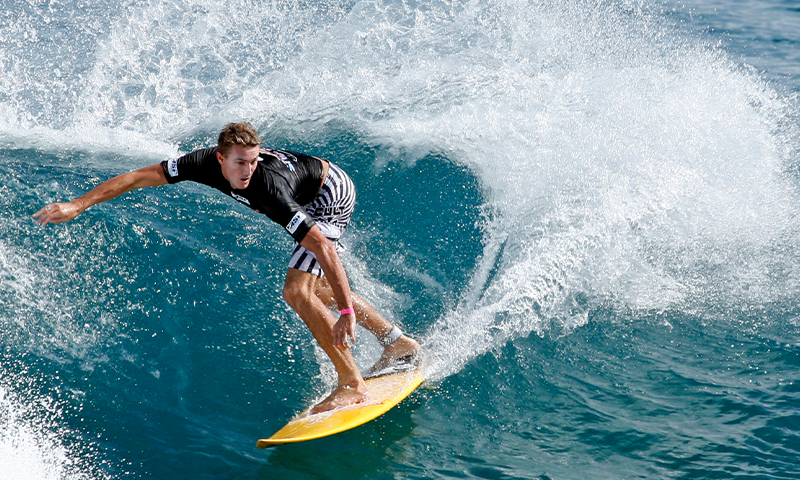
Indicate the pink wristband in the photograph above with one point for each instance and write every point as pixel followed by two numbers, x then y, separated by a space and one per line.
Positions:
pixel 347 311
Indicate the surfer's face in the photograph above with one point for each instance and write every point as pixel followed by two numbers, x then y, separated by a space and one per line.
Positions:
pixel 238 165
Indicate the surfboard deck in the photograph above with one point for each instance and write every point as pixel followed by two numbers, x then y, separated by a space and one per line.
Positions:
pixel 384 393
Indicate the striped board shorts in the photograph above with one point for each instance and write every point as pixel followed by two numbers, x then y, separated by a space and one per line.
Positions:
pixel 331 210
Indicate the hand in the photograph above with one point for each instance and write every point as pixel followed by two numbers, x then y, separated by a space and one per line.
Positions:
pixel 344 328
pixel 57 213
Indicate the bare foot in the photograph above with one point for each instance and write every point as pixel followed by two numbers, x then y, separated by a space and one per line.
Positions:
pixel 403 347
pixel 343 396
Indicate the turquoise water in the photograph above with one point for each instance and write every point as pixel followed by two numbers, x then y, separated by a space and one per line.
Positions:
pixel 586 211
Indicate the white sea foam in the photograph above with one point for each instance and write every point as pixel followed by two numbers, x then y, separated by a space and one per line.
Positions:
pixel 30 445
pixel 623 164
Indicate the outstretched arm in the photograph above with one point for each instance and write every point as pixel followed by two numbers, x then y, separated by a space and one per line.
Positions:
pixel 151 176
pixel 325 251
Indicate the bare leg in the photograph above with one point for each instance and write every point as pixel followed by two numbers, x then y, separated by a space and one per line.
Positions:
pixel 369 318
pixel 299 292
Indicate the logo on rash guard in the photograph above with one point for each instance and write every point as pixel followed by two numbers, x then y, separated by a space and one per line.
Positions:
pixel 295 222
pixel 289 165
pixel 172 167
pixel 274 153
pixel 282 157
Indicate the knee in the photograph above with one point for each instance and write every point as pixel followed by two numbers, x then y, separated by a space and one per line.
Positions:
pixel 292 294
pixel 295 294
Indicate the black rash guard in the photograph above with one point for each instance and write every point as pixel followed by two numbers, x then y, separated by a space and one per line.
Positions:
pixel 282 182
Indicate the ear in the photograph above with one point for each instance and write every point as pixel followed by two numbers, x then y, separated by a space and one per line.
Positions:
pixel 220 158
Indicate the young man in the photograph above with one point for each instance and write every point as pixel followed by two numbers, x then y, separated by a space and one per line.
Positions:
pixel 313 200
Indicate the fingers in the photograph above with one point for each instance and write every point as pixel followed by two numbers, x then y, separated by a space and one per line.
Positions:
pixel 338 337
pixel 343 330
pixel 54 213
pixel 45 215
pixel 352 335
pixel 341 336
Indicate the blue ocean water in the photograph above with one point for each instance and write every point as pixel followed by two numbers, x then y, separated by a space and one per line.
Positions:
pixel 587 211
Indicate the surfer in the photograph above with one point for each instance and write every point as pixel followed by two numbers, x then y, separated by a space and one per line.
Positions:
pixel 313 199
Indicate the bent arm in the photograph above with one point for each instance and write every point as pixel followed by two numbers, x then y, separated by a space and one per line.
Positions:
pixel 151 176
pixel 325 251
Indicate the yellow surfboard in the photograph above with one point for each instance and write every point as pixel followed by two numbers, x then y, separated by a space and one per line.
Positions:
pixel 384 393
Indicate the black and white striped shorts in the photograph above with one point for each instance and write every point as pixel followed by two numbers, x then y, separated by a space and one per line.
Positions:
pixel 331 210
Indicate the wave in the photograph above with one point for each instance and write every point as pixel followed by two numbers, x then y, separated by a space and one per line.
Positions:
pixel 622 163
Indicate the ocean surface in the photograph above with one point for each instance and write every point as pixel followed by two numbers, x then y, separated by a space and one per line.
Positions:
pixel 587 211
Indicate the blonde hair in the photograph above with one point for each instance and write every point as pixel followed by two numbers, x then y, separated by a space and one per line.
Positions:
pixel 241 133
